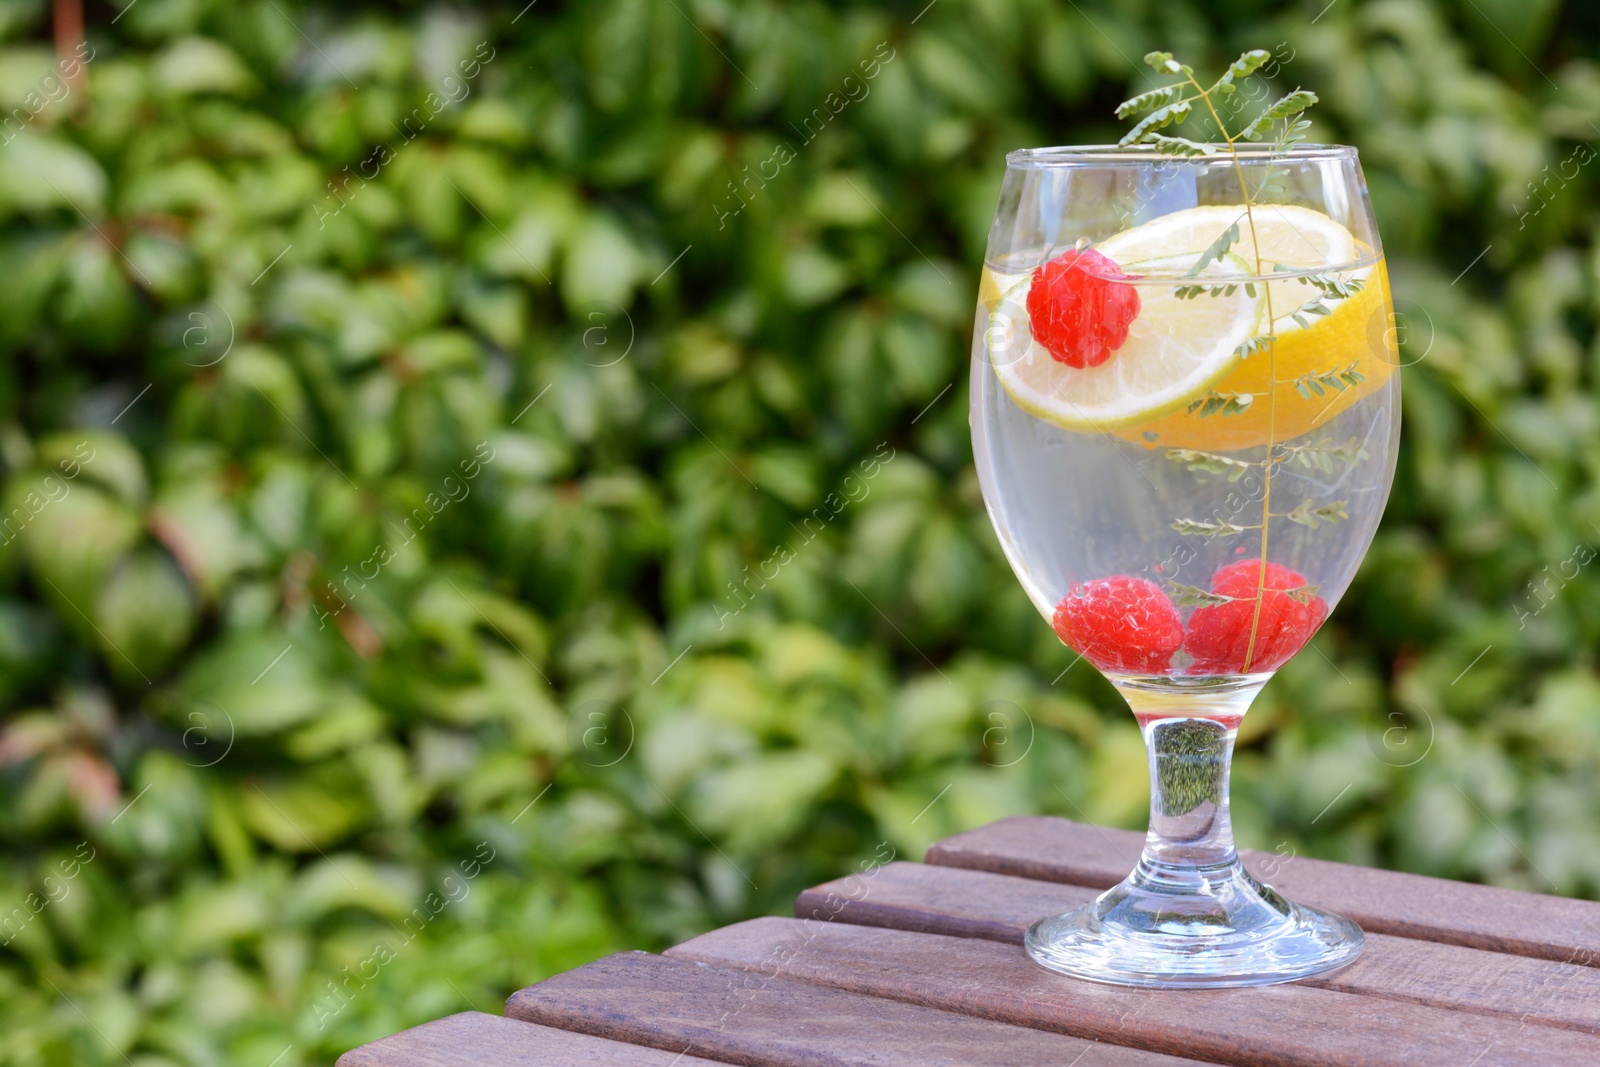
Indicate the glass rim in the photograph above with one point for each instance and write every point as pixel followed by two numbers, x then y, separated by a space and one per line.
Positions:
pixel 1103 154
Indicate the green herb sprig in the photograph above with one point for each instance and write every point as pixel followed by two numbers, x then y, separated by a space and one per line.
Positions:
pixel 1165 108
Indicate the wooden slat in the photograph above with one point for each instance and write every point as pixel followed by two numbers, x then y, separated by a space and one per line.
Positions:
pixel 766 1018
pixel 473 1039
pixel 1266 1027
pixel 964 903
pixel 1406 905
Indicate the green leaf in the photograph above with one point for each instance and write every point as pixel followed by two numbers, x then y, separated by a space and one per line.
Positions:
pixel 1319 382
pixel 1147 101
pixel 763 799
pixel 1312 517
pixel 73 535
pixel 1215 250
pixel 144 616
pixel 301 815
pixel 1311 308
pixel 1210 462
pixel 1190 596
pixel 1200 528
pixel 253 683
pixel 1254 344
pixel 1332 285
pixel 1157 119
pixel 1292 104
pixel 328 885
pixel 603 266
pixel 1292 133
pixel 106 459
pixel 1322 456
pixel 1189 292
pixel 201 65
pixel 1163 62
pixel 1241 68
pixel 40 171
pixel 1224 404
pixel 1179 146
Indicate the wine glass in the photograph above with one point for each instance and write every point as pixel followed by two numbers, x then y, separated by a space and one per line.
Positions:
pixel 1185 416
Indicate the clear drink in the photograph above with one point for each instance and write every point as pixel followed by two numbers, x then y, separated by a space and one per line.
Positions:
pixel 1179 498
pixel 1185 417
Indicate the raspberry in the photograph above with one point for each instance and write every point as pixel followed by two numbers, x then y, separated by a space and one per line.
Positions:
pixel 1120 623
pixel 1219 636
pixel 1077 312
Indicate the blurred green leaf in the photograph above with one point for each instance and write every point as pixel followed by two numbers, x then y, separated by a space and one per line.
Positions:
pixel 145 614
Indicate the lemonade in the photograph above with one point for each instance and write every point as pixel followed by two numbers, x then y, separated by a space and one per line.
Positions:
pixel 1185 418
pixel 1217 476
pixel 1185 425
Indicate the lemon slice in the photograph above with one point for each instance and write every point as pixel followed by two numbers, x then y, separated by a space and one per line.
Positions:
pixel 1299 236
pixel 993 285
pixel 1176 349
pixel 1347 333
pixel 1271 234
pixel 1357 336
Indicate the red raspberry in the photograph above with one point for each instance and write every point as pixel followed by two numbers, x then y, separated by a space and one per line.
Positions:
pixel 1077 312
pixel 1121 624
pixel 1219 636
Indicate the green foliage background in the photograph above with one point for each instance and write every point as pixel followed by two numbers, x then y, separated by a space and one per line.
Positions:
pixel 273 760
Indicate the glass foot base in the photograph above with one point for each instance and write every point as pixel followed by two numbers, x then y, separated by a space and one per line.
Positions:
pixel 1236 932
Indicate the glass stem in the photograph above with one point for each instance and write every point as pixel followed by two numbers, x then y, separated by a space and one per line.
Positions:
pixel 1189 740
pixel 1190 914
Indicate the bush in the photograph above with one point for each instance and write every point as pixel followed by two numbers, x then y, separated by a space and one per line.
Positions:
pixel 489 490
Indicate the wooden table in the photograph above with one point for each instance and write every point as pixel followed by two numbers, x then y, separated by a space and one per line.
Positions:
pixel 921 963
